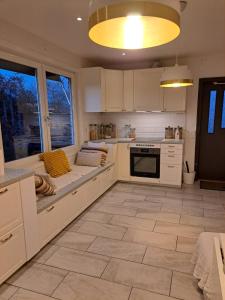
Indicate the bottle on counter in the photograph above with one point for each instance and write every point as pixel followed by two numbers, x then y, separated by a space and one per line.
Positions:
pixel 132 133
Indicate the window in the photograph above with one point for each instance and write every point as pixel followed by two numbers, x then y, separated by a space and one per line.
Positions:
pixel 19 111
pixel 212 111
pixel 60 107
pixel 223 112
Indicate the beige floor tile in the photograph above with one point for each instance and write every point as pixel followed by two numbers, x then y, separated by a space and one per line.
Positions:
pixel 118 249
pixel 28 295
pixel 186 245
pixel 123 187
pixel 160 216
pixel 84 263
pixel 138 294
pixel 149 191
pixel 104 230
pixel 127 196
pixel 97 217
pixel 202 221
pixel 38 278
pixel 74 226
pixel 168 259
pixel 185 287
pixel 74 240
pixel 45 254
pixel 163 200
pixel 116 210
pixel 133 222
pixel 117 201
pixel 201 204
pixel 6 291
pixel 213 213
pixel 143 205
pixel 81 287
pixel 192 211
pixel 138 275
pixel 154 239
pixel 178 229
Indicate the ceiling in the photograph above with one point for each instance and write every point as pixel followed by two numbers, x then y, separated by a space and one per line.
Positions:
pixel 203 24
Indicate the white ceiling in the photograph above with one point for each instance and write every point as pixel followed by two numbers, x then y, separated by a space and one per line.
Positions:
pixel 203 25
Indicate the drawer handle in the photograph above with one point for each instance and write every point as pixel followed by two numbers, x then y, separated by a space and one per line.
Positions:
pixel 171 167
pixel 109 169
pixel 171 155
pixel 3 191
pixel 171 146
pixel 171 151
pixel 74 193
pixel 94 179
pixel 7 239
pixel 50 208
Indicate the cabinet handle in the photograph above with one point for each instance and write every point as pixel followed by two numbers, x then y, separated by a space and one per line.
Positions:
pixel 3 191
pixel 124 109
pixel 50 208
pixel 109 169
pixel 171 155
pixel 74 193
pixel 6 239
pixel 171 167
pixel 94 179
pixel 171 151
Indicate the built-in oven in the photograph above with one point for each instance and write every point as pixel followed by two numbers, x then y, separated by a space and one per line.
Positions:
pixel 145 160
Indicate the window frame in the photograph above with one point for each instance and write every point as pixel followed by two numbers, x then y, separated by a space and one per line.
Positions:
pixel 43 103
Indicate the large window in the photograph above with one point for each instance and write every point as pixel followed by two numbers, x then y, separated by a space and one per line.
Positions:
pixel 19 111
pixel 60 107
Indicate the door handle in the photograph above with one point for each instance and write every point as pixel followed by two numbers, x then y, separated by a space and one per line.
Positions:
pixel 50 208
pixel 3 191
pixel 3 241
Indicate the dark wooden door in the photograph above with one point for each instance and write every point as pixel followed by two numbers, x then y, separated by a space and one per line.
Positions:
pixel 210 146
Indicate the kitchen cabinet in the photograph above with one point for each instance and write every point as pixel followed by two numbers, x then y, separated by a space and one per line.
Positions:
pixel 93 89
pixel 114 90
pixel 128 92
pixel 174 99
pixel 123 161
pixel 171 164
pixel 148 96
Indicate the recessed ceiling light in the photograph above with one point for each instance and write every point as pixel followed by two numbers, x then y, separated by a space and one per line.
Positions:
pixel 79 19
pixel 124 53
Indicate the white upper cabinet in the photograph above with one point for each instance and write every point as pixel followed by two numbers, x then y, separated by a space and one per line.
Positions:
pixel 128 91
pixel 93 89
pixel 148 96
pixel 114 90
pixel 174 99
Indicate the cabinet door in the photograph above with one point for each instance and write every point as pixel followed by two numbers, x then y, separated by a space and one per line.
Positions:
pixel 10 208
pixel 93 89
pixel 12 252
pixel 128 93
pixel 123 162
pixel 171 174
pixel 148 95
pixel 114 90
pixel 174 99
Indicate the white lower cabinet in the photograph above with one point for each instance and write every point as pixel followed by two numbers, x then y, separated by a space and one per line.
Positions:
pixel 171 160
pixel 12 252
pixel 123 162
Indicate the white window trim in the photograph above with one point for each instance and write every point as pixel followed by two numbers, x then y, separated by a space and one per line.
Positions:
pixel 43 101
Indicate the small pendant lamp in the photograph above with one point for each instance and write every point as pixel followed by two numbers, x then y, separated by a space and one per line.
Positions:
pixel 134 24
pixel 176 76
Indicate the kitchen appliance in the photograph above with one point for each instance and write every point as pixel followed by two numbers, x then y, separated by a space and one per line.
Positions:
pixel 145 160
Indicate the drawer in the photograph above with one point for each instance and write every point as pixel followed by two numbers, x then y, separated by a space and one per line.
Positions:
pixel 10 208
pixel 172 151
pixel 108 178
pixel 75 203
pixel 171 159
pixel 51 221
pixel 94 189
pixel 12 252
pixel 171 174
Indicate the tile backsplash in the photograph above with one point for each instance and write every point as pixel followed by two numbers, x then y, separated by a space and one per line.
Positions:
pixel 146 124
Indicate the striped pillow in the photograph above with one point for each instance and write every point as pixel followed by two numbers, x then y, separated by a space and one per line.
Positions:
pixel 56 163
pixel 91 159
pixel 43 185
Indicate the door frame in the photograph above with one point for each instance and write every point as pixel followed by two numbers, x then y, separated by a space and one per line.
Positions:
pixel 202 82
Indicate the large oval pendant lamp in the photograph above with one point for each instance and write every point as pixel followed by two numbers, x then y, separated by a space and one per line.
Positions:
pixel 134 24
pixel 176 76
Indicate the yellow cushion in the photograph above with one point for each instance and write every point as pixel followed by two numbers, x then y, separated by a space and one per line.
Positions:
pixel 56 163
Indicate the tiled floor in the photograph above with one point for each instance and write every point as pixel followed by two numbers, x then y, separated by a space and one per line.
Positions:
pixel 134 243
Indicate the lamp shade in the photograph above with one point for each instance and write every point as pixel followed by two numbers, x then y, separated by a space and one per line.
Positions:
pixel 134 24
pixel 177 76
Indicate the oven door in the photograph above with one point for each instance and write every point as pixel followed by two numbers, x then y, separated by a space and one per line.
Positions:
pixel 145 162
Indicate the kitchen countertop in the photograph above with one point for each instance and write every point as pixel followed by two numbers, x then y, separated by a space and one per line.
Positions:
pixel 14 175
pixel 139 140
